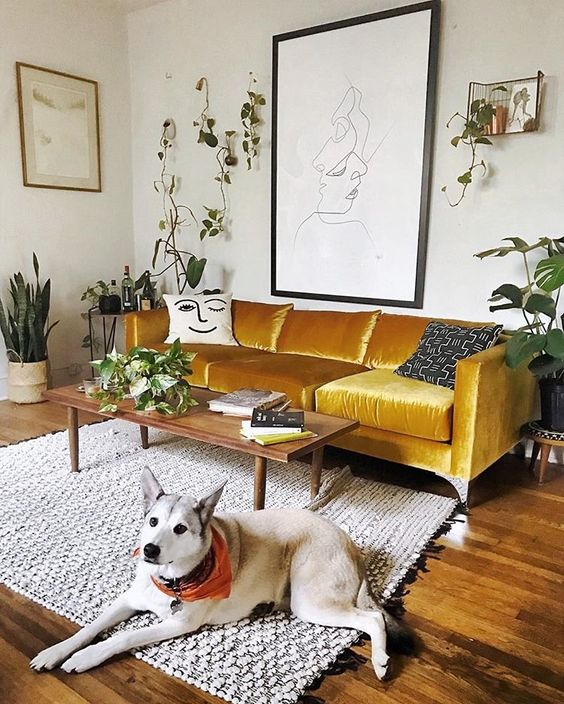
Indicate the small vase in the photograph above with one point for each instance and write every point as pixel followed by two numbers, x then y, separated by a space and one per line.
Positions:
pixel 552 404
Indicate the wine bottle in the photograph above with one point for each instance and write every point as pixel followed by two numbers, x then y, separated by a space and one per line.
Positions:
pixel 127 287
pixel 148 295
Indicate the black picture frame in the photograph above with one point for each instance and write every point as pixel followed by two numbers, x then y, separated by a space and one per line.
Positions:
pixel 432 6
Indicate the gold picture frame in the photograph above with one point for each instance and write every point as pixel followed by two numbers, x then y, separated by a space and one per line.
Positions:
pixel 59 129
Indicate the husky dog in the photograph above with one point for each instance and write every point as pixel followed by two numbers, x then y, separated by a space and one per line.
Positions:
pixel 195 568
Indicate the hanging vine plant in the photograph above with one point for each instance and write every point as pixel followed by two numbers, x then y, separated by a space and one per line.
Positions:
pixel 213 224
pixel 250 121
pixel 188 268
pixel 475 128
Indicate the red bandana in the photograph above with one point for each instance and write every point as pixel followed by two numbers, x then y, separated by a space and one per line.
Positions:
pixel 211 579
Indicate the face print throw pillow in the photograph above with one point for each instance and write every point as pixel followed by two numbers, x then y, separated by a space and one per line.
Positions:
pixel 200 319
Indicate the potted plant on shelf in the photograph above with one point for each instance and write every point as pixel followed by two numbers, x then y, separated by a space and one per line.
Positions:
pixel 26 330
pixel 541 339
pixel 156 380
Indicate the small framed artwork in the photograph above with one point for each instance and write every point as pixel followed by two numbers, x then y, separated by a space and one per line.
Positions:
pixel 59 129
pixel 352 134
pixel 522 113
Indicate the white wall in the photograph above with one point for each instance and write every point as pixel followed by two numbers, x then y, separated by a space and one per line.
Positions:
pixel 78 237
pixel 480 40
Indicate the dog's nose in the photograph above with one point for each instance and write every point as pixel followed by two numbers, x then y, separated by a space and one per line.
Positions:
pixel 151 551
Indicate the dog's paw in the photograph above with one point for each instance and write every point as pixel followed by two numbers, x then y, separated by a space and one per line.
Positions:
pixel 381 663
pixel 50 657
pixel 86 658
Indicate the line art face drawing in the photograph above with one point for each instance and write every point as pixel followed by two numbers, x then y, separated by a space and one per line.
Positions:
pixel 331 235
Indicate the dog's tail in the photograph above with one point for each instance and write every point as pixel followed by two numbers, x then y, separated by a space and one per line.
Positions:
pixel 399 637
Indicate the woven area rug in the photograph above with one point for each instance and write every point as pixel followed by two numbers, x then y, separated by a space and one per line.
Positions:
pixel 66 541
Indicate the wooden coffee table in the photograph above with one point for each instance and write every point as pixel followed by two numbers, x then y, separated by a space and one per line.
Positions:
pixel 213 428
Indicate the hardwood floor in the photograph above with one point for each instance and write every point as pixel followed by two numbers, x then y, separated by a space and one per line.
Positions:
pixel 489 613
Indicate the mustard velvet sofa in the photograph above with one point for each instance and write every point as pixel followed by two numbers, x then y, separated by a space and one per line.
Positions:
pixel 342 364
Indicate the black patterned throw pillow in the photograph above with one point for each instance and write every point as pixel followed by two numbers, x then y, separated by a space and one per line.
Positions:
pixel 440 348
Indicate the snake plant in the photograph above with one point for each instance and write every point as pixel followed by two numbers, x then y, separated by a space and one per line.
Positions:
pixel 26 328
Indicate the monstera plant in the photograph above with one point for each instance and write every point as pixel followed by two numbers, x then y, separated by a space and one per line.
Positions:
pixel 540 340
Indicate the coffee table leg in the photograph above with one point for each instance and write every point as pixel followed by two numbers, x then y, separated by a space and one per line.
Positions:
pixel 144 436
pixel 72 418
pixel 260 482
pixel 316 467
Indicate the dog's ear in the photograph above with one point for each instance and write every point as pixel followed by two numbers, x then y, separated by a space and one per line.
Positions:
pixel 152 490
pixel 206 505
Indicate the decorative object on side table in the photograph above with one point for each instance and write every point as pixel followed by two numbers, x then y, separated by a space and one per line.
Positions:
pixel 542 337
pixel 60 135
pixel 156 380
pixel 26 331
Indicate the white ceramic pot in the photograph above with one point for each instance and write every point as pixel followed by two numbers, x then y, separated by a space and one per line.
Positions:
pixel 27 382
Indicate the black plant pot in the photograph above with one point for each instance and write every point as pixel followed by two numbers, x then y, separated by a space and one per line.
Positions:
pixel 552 404
pixel 109 304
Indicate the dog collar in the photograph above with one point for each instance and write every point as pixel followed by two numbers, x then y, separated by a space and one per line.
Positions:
pixel 210 579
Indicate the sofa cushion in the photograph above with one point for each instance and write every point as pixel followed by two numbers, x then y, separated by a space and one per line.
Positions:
pixel 323 333
pixel 298 376
pixel 258 325
pixel 207 355
pixel 395 338
pixel 381 399
pixel 441 347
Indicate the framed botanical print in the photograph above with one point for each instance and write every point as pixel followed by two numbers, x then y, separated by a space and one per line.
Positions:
pixel 352 133
pixel 59 129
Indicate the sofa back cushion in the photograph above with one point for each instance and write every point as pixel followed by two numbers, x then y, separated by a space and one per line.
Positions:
pixel 395 338
pixel 258 325
pixel 324 333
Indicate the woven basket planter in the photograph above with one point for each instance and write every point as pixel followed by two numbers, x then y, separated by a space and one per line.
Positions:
pixel 27 382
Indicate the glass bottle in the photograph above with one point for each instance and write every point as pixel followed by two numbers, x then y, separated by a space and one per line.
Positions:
pixel 127 287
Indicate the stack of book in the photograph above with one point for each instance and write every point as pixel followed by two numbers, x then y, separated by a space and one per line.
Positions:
pixel 269 427
pixel 244 401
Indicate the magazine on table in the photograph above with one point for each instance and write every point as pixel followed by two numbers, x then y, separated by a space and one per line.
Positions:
pixel 283 437
pixel 243 401
pixel 249 432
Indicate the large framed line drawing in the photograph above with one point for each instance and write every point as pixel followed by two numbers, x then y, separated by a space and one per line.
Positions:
pixel 352 132
pixel 59 129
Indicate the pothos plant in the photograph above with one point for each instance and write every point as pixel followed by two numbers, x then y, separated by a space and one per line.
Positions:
pixel 188 268
pixel 475 128
pixel 541 339
pixel 250 121
pixel 156 380
pixel 213 224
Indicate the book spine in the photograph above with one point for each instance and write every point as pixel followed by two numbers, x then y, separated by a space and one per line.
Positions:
pixel 275 439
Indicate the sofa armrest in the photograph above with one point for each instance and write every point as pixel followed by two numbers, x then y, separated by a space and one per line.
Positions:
pixel 146 327
pixel 491 403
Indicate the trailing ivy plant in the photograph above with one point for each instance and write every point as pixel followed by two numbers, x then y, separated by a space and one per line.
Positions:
pixel 541 339
pixel 213 223
pixel 475 129
pixel 250 121
pixel 188 268
pixel 156 380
